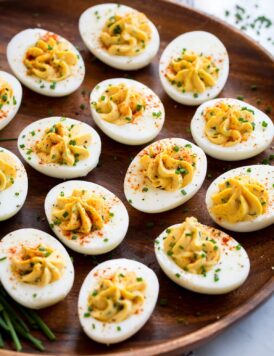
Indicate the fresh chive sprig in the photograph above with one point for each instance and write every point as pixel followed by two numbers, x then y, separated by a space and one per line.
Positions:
pixel 18 321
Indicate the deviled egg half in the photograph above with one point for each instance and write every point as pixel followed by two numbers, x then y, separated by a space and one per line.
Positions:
pixel 127 111
pixel 60 147
pixel 10 98
pixel 231 130
pixel 201 258
pixel 86 217
pixel 164 175
pixel 116 299
pixel 119 36
pixel 194 67
pixel 45 62
pixel 242 199
pixel 35 268
pixel 13 184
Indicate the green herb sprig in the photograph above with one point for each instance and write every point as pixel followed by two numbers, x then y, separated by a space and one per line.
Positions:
pixel 8 139
pixel 17 321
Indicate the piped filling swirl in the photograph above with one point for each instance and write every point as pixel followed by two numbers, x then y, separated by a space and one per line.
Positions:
pixel 120 105
pixel 168 168
pixel 40 265
pixel 7 172
pixel 192 72
pixel 240 198
pixel 126 35
pixel 63 145
pixel 80 213
pixel 228 125
pixel 117 298
pixel 192 247
pixel 50 59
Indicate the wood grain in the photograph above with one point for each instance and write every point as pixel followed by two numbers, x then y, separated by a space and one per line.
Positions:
pixel 189 319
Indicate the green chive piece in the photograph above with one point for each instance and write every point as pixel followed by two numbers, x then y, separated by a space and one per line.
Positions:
pixel 7 139
pixel 16 341
pixel 2 344
pixel 42 325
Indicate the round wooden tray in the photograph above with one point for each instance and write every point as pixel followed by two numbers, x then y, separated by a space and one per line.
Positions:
pixel 188 319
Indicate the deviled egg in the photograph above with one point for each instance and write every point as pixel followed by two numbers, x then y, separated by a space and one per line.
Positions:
pixel 194 67
pixel 201 258
pixel 60 147
pixel 13 184
pixel 242 199
pixel 119 36
pixel 35 268
pixel 10 98
pixel 127 111
pixel 231 130
pixel 164 175
pixel 116 299
pixel 86 217
pixel 45 62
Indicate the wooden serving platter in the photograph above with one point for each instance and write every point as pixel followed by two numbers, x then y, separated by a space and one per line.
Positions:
pixel 182 319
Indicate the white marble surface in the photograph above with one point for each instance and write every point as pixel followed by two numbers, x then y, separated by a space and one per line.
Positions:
pixel 242 14
pixel 254 335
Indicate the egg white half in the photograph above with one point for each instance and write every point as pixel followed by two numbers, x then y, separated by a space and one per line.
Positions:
pixel 16 50
pixel 264 174
pixel 156 200
pixel 99 241
pixel 91 24
pixel 146 127
pixel 199 42
pixel 258 141
pixel 10 109
pixel 33 296
pixel 110 333
pixel 233 267
pixel 27 140
pixel 13 198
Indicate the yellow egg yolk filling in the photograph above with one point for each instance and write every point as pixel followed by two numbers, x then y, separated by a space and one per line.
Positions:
pixel 117 298
pixel 239 199
pixel 192 72
pixel 228 125
pixel 120 105
pixel 169 169
pixel 80 213
pixel 6 94
pixel 192 247
pixel 63 145
pixel 40 265
pixel 126 35
pixel 7 172
pixel 49 59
